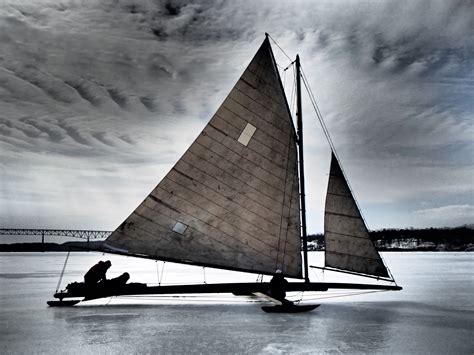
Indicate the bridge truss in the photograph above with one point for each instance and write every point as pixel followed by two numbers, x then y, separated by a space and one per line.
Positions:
pixel 71 233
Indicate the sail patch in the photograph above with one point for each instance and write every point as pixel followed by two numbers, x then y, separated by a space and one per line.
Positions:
pixel 247 134
pixel 180 228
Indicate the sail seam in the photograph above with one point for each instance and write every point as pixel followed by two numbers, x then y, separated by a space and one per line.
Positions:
pixel 187 261
pixel 281 118
pixel 281 167
pixel 228 210
pixel 167 230
pixel 336 194
pixel 259 71
pixel 341 214
pixel 264 130
pixel 271 130
pixel 353 255
pixel 255 166
pixel 256 115
pixel 348 235
pixel 240 167
pixel 249 116
pixel 255 137
pixel 231 201
pixel 136 227
pixel 218 129
pixel 246 82
pixel 218 217
pixel 233 189
pixel 156 199
pixel 232 141
pixel 242 181
pixel 263 94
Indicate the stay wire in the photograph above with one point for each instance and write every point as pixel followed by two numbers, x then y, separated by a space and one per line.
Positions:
pixel 62 272
pixel 293 95
pixel 161 277
pixel 281 49
pixel 344 295
pixel 157 272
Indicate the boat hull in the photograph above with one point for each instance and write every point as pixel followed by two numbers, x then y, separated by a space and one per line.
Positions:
pixel 290 308
pixel 61 303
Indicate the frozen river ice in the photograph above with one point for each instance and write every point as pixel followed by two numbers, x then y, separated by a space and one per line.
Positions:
pixel 433 314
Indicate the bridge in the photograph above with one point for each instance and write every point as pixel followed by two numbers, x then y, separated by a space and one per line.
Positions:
pixel 71 233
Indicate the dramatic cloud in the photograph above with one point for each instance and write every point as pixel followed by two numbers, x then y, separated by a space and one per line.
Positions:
pixel 98 99
pixel 457 213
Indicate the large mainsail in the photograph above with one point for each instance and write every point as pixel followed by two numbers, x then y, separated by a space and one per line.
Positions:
pixel 348 245
pixel 232 200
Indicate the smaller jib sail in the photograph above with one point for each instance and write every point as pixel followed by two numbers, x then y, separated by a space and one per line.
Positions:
pixel 232 199
pixel 348 245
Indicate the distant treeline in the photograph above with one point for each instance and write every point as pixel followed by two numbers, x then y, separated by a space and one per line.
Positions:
pixel 459 238
pixel 458 235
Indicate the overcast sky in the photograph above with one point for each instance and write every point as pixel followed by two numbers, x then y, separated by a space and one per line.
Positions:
pixel 98 99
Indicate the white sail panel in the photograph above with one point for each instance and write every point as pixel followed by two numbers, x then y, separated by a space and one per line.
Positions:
pixel 232 200
pixel 348 245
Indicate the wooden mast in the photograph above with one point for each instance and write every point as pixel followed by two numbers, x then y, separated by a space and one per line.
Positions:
pixel 299 121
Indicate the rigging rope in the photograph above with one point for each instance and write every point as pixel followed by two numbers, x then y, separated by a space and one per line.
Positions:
pixel 204 272
pixel 62 272
pixel 281 49
pixel 157 272
pixel 162 269
pixel 344 295
pixel 293 95
pixel 205 298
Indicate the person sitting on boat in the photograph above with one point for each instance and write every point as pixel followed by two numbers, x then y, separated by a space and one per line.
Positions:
pixel 97 273
pixel 278 285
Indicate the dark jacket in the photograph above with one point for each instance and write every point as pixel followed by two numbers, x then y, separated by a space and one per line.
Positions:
pixel 278 286
pixel 96 273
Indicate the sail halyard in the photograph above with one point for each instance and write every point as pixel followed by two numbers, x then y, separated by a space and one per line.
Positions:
pixel 231 201
pixel 347 242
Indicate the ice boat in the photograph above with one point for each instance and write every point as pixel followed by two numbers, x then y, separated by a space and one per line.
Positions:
pixel 236 200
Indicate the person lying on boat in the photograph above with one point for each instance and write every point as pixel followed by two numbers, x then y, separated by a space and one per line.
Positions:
pixel 97 273
pixel 116 282
pixel 278 285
